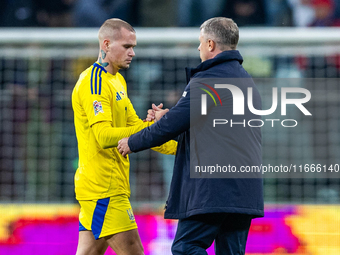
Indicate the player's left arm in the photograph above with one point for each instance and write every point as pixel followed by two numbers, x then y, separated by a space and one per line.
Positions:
pixel 108 136
pixel 97 105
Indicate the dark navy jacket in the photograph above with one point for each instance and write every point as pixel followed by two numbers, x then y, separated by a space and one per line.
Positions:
pixel 239 145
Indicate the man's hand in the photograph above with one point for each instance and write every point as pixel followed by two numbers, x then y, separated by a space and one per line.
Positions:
pixel 156 112
pixel 151 112
pixel 123 146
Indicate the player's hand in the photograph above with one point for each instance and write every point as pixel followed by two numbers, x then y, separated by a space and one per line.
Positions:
pixel 123 146
pixel 152 112
pixel 157 112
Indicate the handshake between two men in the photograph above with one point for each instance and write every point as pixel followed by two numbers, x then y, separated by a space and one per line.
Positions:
pixel 154 114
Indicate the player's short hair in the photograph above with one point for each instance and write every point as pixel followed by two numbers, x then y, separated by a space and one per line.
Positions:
pixel 223 31
pixel 112 27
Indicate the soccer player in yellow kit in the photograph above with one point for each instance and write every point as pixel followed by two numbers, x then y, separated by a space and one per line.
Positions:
pixel 103 114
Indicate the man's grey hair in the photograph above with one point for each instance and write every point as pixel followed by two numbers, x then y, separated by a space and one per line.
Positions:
pixel 223 31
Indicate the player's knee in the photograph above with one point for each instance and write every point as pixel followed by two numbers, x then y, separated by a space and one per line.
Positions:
pixel 132 247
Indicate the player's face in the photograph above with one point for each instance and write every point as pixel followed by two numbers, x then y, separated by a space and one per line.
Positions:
pixel 203 47
pixel 120 51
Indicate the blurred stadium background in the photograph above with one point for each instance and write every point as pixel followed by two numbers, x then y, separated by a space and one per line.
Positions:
pixel 38 148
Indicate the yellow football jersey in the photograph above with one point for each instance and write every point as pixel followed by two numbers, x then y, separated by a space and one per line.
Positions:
pixel 99 96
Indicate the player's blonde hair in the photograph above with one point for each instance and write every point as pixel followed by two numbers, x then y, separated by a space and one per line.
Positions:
pixel 111 29
pixel 223 31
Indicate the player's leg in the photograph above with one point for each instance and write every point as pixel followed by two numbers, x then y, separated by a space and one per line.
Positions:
pixel 196 234
pixel 89 218
pixel 119 227
pixel 88 245
pixel 233 234
pixel 126 243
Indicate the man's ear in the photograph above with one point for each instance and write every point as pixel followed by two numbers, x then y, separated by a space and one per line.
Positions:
pixel 105 45
pixel 211 45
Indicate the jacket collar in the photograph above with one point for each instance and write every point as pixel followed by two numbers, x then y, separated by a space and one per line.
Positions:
pixel 222 57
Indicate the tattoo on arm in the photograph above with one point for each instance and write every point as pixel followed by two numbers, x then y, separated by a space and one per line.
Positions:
pixel 102 57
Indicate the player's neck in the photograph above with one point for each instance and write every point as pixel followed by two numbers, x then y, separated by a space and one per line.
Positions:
pixel 104 62
pixel 109 68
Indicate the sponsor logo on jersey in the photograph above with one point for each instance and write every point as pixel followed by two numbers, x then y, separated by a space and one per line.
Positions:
pixel 118 97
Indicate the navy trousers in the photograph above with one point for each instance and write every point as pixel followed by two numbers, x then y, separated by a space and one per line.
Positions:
pixel 196 234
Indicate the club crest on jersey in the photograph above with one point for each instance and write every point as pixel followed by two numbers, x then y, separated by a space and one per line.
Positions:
pixel 97 106
pixel 130 213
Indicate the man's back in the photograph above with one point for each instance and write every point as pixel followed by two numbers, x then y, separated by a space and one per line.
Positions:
pixel 223 145
pixel 209 209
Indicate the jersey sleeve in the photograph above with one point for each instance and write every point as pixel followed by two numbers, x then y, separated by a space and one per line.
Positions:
pixel 108 136
pixel 169 147
pixel 96 98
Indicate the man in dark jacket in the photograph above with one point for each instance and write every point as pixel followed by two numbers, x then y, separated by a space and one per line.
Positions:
pixel 211 207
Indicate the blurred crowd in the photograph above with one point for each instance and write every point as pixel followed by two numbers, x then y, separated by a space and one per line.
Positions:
pixel 168 13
